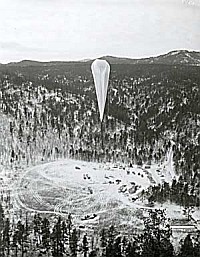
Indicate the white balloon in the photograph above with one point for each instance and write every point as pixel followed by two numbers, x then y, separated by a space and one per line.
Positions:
pixel 101 72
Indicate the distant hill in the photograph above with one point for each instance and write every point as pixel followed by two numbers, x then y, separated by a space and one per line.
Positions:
pixel 174 57
pixel 25 63
pixel 178 57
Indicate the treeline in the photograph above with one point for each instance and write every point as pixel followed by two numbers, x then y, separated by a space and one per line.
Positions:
pixel 179 192
pixel 58 237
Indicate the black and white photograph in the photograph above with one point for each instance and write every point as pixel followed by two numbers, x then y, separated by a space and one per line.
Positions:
pixel 100 128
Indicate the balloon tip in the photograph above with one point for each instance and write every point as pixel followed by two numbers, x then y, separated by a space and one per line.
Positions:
pixel 101 118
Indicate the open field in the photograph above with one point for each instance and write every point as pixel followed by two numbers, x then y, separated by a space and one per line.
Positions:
pixel 89 191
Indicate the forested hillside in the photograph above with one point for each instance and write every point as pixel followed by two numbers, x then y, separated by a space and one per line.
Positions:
pixel 146 104
pixel 49 112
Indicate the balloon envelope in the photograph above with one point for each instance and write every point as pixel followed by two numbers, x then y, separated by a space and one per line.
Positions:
pixel 101 72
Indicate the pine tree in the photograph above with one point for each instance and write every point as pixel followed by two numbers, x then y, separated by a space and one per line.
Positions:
pixel 37 222
pixel 132 249
pixel 6 236
pixel 21 236
pixel 56 236
pixel 124 245
pixel 15 243
pixel 149 246
pixel 156 237
pixel 1 244
pixel 117 247
pixel 73 243
pixel 197 245
pixel 187 248
pixel 103 242
pixel 85 246
pixel 1 217
pixel 69 224
pixel 1 230
pixel 64 234
pixel 110 244
pixel 45 232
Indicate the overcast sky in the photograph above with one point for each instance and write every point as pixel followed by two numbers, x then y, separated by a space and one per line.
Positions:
pixel 73 30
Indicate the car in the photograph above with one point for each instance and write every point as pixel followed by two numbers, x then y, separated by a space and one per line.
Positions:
pixel 150 204
pixel 134 199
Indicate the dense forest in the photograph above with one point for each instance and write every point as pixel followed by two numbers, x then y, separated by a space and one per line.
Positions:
pixel 50 112
pixel 41 236
pixel 149 107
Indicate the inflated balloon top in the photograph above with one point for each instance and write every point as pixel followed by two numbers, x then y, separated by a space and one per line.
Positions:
pixel 101 71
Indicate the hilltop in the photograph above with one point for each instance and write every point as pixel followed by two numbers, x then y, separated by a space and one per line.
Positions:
pixel 176 57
